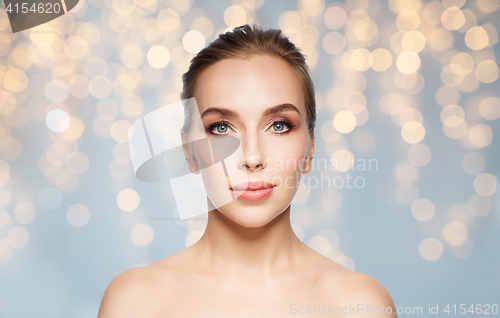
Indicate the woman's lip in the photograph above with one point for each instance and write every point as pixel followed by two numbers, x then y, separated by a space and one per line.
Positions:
pixel 252 186
pixel 253 195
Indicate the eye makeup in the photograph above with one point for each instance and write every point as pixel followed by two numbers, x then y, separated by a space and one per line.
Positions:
pixel 223 127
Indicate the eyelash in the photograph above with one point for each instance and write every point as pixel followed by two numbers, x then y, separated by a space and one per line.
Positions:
pixel 283 121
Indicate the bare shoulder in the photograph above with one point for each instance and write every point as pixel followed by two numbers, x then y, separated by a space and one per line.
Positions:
pixel 360 294
pixel 134 292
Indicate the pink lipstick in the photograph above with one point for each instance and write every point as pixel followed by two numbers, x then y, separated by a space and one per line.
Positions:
pixel 253 191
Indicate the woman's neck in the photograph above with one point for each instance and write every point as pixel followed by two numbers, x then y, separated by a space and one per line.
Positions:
pixel 232 248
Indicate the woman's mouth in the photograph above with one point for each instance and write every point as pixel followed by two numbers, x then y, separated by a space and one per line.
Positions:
pixel 253 191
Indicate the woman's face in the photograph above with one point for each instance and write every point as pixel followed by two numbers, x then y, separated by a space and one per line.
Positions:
pixel 261 102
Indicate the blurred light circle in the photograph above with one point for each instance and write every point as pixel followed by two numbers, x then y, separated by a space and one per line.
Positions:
pixel 487 71
pixel 50 198
pixel 122 152
pixel 345 261
pixel 363 140
pixel 413 41
pixel 132 105
pixel 453 3
pixel 455 233
pixel 18 118
pixel 119 130
pixel 119 170
pixel 193 41
pixel 342 160
pixel 462 64
pixel 406 193
pixel 460 213
pixel 234 16
pixel 158 56
pixel 479 205
pixel 77 162
pixel 419 155
pixel 455 132
pixel 75 129
pixel 480 135
pixel 56 91
pixel 380 59
pixel 75 47
pixel 193 237
pixel 320 244
pixel 132 56
pixel 292 21
pixel 15 80
pixel 473 163
pixel 423 209
pixel 108 109
pixel 489 108
pixel 405 172
pixel 142 234
pixel 168 20
pixel 441 39
pixel 332 236
pixel 128 200
pixel 450 78
pixel 78 215
pixel 5 218
pixel 79 86
pixel 5 196
pixel 464 250
pixel 334 42
pixel 430 249
pixel 488 6
pixel 100 87
pixel 355 81
pixel 410 114
pixel 335 17
pixel 407 20
pixel 452 115
pixel 432 12
pixel 18 237
pixel 477 38
pixel 485 184
pixel 10 148
pixel 24 212
pixel 413 132
pixel 4 172
pixel 453 18
pixel 331 200
pixel 57 120
pixel 408 62
pixel 344 121
pixel 360 59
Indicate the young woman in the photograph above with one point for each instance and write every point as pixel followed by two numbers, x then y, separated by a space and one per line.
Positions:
pixel 253 85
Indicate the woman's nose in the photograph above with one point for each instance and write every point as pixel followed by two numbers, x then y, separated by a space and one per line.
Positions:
pixel 252 158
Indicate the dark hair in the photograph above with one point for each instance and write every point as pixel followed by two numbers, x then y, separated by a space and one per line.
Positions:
pixel 244 42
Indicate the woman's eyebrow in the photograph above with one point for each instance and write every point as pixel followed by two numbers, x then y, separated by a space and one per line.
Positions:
pixel 221 111
pixel 282 107
pixel 272 110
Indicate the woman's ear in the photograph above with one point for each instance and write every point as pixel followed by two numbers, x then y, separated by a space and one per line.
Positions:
pixel 188 153
pixel 308 159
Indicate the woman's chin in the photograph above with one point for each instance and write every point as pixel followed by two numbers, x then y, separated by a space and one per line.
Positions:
pixel 250 216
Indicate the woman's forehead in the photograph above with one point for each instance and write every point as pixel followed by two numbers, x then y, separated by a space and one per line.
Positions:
pixel 259 81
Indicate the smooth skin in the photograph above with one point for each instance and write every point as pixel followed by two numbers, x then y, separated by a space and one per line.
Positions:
pixel 249 262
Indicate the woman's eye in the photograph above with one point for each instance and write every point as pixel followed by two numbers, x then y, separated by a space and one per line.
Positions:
pixel 279 126
pixel 221 129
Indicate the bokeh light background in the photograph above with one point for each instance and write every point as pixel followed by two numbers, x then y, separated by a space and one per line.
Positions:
pixel 409 83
